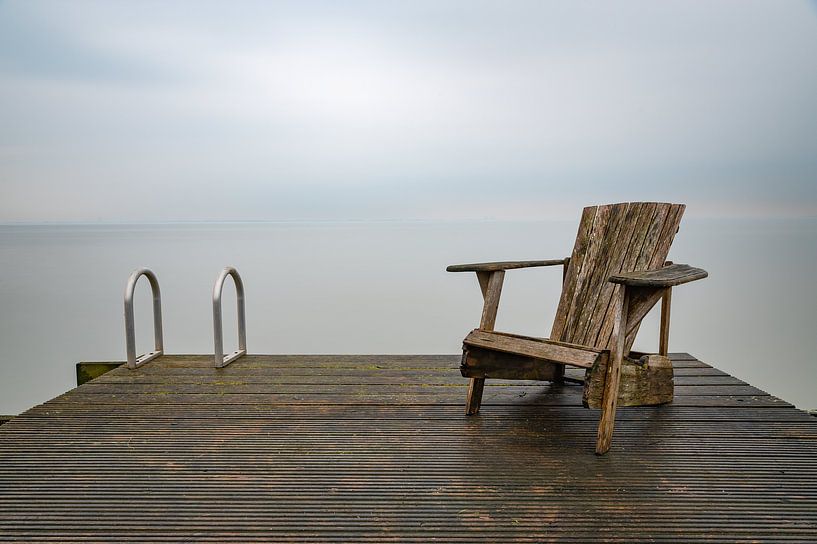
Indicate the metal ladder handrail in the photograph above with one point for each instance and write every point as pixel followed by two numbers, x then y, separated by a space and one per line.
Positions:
pixel 221 360
pixel 130 332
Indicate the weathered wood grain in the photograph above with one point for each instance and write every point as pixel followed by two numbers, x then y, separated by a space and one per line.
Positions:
pixel 635 258
pixel 488 363
pixel 574 271
pixel 668 276
pixel 502 265
pixel 630 245
pixel 136 456
pixel 611 239
pixel 644 382
pixel 623 221
pixel 556 352
pixel 490 284
pixel 613 374
pixel 492 294
pixel 595 249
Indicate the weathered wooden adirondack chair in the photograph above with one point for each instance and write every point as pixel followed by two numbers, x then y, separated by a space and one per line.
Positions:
pixel 615 275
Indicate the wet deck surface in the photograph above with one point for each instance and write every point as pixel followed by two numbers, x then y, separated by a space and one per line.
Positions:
pixel 376 448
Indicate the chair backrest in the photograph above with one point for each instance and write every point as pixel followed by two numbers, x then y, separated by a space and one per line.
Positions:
pixel 613 238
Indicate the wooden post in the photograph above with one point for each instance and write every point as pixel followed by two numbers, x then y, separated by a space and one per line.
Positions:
pixel 663 338
pixel 610 396
pixel 491 285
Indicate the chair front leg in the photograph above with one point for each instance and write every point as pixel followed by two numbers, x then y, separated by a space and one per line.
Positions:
pixel 613 374
pixel 472 403
pixel 491 285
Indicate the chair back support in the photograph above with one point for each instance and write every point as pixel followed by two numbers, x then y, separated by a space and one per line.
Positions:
pixel 612 238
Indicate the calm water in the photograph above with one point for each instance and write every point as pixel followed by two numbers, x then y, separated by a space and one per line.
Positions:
pixel 381 288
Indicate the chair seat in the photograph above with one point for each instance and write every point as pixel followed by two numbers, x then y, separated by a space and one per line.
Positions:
pixel 491 354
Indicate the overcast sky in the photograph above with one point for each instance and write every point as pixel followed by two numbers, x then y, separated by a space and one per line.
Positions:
pixel 168 111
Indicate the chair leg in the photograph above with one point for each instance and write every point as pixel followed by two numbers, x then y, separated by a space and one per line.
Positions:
pixel 490 283
pixel 613 375
pixel 559 376
pixel 663 338
pixel 474 396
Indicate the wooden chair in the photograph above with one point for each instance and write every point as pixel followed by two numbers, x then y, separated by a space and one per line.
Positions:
pixel 615 275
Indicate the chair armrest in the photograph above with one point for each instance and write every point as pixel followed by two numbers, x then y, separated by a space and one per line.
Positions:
pixel 668 276
pixel 503 265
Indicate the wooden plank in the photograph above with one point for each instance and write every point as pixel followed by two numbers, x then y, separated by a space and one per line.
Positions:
pixel 555 352
pixel 483 363
pixel 682 377
pixel 336 375
pixel 574 271
pixel 668 276
pixel 444 391
pixel 595 247
pixel 142 416
pixel 502 265
pixel 331 387
pixel 450 395
pixel 613 375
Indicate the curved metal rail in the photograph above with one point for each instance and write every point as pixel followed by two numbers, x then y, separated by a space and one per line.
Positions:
pixel 220 359
pixel 130 333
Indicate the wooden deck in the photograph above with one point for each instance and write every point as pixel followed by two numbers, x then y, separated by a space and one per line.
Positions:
pixel 376 448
